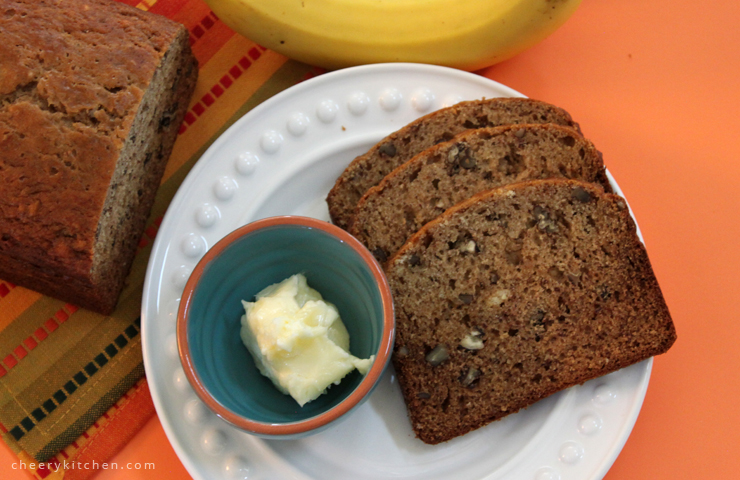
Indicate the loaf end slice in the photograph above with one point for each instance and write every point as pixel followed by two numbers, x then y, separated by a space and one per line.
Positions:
pixel 516 294
pixel 474 161
pixel 368 169
pixel 89 113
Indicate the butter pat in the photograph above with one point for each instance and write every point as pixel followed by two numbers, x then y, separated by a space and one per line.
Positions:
pixel 297 339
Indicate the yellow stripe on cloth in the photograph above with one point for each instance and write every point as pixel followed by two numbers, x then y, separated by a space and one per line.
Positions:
pixel 146 4
pixel 15 303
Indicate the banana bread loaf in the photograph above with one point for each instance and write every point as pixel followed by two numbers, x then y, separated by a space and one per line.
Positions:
pixel 516 294
pixel 368 169
pixel 476 160
pixel 92 93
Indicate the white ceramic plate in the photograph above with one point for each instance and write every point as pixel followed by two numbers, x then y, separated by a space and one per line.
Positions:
pixel 282 158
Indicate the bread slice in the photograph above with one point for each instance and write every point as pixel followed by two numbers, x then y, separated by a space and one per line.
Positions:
pixel 368 170
pixel 92 94
pixel 516 294
pixel 476 160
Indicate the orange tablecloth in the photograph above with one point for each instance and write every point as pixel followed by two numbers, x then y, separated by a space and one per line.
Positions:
pixel 654 86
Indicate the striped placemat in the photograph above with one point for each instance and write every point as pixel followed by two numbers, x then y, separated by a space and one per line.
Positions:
pixel 72 381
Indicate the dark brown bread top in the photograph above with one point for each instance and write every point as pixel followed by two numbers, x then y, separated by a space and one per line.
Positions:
pixel 476 160
pixel 368 170
pixel 516 294
pixel 92 93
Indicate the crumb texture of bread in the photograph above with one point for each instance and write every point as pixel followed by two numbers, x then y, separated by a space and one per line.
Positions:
pixel 516 294
pixel 92 93
pixel 474 161
pixel 367 170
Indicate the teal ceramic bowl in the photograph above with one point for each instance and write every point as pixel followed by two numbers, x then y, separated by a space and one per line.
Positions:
pixel 216 362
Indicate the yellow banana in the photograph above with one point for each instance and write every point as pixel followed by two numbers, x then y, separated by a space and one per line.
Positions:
pixel 465 34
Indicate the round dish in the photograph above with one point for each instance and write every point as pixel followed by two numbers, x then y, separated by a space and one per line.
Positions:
pixel 282 158
pixel 219 367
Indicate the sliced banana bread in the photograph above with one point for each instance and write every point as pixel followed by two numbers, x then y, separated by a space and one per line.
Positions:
pixel 368 170
pixel 516 294
pixel 92 93
pixel 476 160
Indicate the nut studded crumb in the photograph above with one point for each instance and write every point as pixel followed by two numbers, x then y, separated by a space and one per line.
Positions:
pixel 92 93
pixel 476 160
pixel 558 290
pixel 368 170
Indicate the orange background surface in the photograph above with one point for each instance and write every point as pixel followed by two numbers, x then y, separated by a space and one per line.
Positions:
pixel 655 85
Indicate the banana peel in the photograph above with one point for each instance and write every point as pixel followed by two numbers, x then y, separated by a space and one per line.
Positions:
pixel 463 34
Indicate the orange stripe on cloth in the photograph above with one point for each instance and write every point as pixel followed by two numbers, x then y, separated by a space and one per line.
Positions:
pixel 207 33
pixel 190 13
pixel 168 8
pixel 212 39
